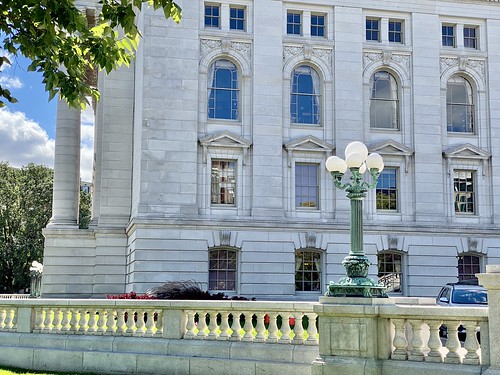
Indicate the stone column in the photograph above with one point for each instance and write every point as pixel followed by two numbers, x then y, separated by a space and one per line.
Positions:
pixel 491 281
pixel 66 167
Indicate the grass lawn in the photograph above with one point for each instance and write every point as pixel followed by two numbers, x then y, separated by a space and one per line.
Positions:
pixel 14 371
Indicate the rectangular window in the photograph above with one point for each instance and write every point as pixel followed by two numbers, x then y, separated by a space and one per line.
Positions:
pixel 390 272
pixel 395 31
pixel 387 190
pixel 468 266
pixel 373 29
pixel 294 23
pixel 306 185
pixel 464 192
pixel 308 271
pixel 212 16
pixel 317 25
pixel 237 19
pixel 448 35
pixel 223 187
pixel 222 269
pixel 470 37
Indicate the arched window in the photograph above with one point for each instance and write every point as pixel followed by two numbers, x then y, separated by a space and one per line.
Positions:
pixel 468 266
pixel 307 271
pixel 222 269
pixel 223 91
pixel 390 271
pixel 384 101
pixel 459 105
pixel 304 96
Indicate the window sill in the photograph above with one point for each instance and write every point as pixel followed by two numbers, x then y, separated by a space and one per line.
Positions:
pixel 214 121
pixel 306 126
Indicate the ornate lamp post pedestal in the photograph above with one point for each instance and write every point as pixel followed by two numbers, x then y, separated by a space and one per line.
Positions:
pixel 356 283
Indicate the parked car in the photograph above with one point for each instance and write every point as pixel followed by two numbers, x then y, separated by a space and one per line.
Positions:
pixel 466 293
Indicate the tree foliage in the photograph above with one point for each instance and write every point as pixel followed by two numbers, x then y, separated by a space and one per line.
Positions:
pixel 25 209
pixel 65 45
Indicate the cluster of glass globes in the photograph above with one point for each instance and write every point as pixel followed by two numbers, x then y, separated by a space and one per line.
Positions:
pixel 356 158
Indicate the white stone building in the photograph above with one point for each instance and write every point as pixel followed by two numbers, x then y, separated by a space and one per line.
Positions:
pixel 210 150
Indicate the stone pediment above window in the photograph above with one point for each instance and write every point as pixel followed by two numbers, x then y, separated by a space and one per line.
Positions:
pixel 393 148
pixel 225 140
pixel 305 145
pixel 465 151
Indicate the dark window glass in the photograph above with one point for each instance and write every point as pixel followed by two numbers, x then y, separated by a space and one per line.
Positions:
pixel 468 266
pixel 212 16
pixel 384 103
pixel 395 32
pixel 470 37
pixel 304 97
pixel 459 105
pixel 317 25
pixel 390 272
pixel 306 185
pixel 372 29
pixel 464 192
pixel 293 23
pixel 308 271
pixel 237 19
pixel 222 269
pixel 448 36
pixel 223 182
pixel 223 97
pixel 387 190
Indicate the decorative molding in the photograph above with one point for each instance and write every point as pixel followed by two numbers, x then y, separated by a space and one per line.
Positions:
pixel 466 152
pixel 225 45
pixel 307 144
pixel 387 58
pixel 225 238
pixel 225 139
pixel 308 52
pixel 392 242
pixel 390 147
pixel 311 239
pixel 464 63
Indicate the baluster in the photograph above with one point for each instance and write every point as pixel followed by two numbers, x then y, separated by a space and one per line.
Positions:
pixel 150 324
pixel 47 324
pixel 312 330
pixel 298 329
pixel 9 319
pixel 111 321
pixel 73 323
pixel 159 323
pixel 224 326
pixel 101 323
pixel 56 322
pixel 452 343
pixel 434 344
pixel 3 316
pixel 248 327
pixel 140 324
pixel 212 327
pixel 83 323
pixel 417 343
pixel 236 327
pixel 202 325
pixel 400 342
pixel 471 345
pixel 260 328
pixel 120 322
pixel 273 328
pixel 190 326
pixel 130 322
pixel 92 321
pixel 38 319
pixel 285 329
pixel 65 320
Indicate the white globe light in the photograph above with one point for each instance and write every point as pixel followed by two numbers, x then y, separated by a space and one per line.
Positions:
pixel 358 148
pixel 336 164
pixel 375 161
pixel 362 169
pixel 354 160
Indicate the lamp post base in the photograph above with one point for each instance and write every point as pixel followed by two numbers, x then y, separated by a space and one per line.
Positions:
pixel 356 283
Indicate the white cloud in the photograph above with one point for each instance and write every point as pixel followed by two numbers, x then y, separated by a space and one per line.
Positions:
pixel 11 82
pixel 23 141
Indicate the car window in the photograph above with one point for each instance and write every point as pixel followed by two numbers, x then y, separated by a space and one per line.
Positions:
pixel 445 293
pixel 468 296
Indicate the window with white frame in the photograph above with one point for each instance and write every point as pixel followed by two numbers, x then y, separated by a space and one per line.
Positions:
pixel 318 25
pixel 459 105
pixel 470 37
pixel 222 269
pixel 305 96
pixel 223 91
pixel 448 35
pixel 384 101
pixel 237 18
pixel 294 23
pixel 306 185
pixel 468 266
pixel 307 270
pixel 223 182
pixel 464 192
pixel 395 31
pixel 390 271
pixel 212 15
pixel 387 190
pixel 372 30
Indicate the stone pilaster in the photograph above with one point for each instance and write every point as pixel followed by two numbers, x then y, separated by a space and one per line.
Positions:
pixel 66 167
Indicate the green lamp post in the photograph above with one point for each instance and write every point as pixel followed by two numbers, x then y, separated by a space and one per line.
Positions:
pixel 356 283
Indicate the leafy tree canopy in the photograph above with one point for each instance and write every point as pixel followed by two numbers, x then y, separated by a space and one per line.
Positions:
pixel 65 45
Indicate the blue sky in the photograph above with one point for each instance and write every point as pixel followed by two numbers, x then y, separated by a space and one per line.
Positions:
pixel 27 128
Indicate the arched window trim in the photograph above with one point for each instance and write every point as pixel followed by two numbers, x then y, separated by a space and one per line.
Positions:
pixel 217 88
pixel 470 104
pixel 315 94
